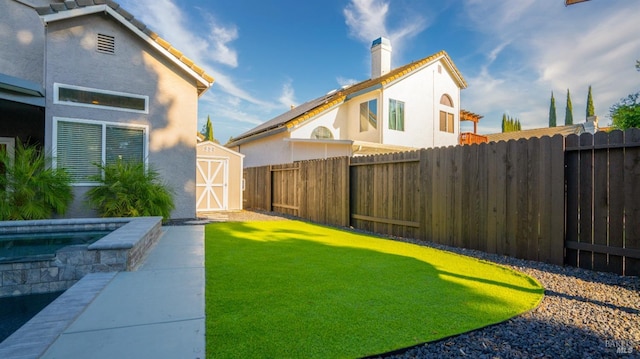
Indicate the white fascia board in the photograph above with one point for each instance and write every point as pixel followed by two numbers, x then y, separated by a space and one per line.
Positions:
pixel 312 140
pixel 67 14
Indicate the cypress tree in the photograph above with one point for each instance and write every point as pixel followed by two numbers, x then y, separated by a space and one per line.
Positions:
pixel 590 109
pixel 552 112
pixel 568 117
pixel 504 122
pixel 208 135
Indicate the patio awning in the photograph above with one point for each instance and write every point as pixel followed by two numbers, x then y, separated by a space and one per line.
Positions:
pixel 21 91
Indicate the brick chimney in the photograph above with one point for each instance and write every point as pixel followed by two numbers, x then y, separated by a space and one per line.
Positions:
pixel 380 57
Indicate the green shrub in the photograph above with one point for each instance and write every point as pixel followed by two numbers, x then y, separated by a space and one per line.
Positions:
pixel 30 188
pixel 128 189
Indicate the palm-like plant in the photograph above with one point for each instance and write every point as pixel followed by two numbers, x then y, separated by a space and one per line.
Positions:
pixel 128 189
pixel 30 188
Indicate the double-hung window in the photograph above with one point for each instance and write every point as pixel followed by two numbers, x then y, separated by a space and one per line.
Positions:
pixel 368 115
pixel 447 119
pixel 81 144
pixel 396 115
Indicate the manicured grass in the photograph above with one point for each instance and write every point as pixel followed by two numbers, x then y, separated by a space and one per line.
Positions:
pixel 290 289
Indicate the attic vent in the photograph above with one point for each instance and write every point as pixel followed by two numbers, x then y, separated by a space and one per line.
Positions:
pixel 106 44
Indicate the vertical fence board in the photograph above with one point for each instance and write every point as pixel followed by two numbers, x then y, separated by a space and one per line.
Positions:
pixel 493 189
pixel 572 179
pixel 600 197
pixel 474 217
pixel 501 197
pixel 438 197
pixel 585 257
pixel 545 186
pixel 557 213
pixel 616 199
pixel 512 199
pixel 632 198
pixel 522 194
pixel 460 197
pixel 482 207
pixel 534 196
pixel 426 170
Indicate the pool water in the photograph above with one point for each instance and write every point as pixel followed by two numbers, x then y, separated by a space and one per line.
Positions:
pixel 15 311
pixel 16 247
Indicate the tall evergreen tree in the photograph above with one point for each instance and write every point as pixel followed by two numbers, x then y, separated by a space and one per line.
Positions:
pixel 208 135
pixel 552 112
pixel 504 122
pixel 568 117
pixel 590 109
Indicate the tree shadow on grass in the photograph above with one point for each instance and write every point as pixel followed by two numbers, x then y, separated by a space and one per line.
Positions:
pixel 281 289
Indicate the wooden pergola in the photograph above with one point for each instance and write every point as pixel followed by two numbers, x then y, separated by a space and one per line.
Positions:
pixel 468 138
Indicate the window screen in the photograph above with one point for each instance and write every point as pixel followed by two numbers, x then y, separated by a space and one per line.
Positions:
pixel 79 147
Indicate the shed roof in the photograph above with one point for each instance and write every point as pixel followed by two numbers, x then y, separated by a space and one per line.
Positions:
pixel 72 8
pixel 323 103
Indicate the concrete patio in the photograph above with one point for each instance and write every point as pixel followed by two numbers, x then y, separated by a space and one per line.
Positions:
pixel 154 312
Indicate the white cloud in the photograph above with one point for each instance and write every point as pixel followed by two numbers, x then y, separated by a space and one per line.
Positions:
pixel 287 98
pixel 164 17
pixel 367 20
pixel 343 81
pixel 543 46
pixel 221 36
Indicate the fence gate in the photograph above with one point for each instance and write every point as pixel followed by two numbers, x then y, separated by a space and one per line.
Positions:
pixel 284 189
pixel 212 184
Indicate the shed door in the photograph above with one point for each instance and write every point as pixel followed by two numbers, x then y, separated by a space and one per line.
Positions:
pixel 212 187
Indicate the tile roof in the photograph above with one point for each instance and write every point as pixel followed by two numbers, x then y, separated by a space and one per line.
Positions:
pixel 537 132
pixel 316 106
pixel 61 6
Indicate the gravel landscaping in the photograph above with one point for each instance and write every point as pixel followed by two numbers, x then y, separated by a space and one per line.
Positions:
pixel 584 314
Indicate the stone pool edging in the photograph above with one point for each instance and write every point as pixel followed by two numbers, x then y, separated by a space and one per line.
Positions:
pixel 121 250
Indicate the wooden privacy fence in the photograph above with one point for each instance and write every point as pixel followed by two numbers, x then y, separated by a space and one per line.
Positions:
pixel 506 197
pixel 603 201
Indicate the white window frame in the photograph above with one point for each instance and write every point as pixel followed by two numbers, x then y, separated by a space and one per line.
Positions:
pixel 393 103
pixel 10 142
pixel 369 125
pixel 104 125
pixel 57 101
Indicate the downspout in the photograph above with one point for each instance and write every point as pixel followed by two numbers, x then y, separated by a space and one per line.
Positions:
pixel 381 128
pixel 435 118
pixel 291 148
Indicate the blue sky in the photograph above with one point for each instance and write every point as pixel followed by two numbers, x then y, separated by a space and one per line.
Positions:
pixel 268 55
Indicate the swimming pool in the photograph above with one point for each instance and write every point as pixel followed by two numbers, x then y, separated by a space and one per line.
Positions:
pixel 17 247
pixel 44 256
pixel 15 311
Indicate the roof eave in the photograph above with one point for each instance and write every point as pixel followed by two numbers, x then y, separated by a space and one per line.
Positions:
pixel 256 136
pixel 203 81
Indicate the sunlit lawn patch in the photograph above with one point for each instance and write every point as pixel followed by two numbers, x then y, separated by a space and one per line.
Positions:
pixel 290 289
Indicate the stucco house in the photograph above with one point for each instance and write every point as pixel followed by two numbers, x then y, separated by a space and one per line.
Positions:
pixel 413 106
pixel 91 84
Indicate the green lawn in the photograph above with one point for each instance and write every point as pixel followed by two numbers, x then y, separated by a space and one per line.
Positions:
pixel 290 289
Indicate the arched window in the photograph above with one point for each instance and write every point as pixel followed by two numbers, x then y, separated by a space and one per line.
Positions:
pixel 447 119
pixel 321 132
pixel 446 100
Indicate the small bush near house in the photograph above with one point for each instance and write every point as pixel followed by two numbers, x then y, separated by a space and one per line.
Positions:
pixel 128 189
pixel 29 187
